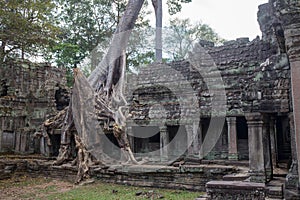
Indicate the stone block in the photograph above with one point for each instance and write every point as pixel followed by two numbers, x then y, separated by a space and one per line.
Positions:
pixel 219 190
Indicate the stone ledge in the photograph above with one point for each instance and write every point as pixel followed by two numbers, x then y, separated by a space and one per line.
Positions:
pixel 236 185
pixel 219 190
pixel 186 177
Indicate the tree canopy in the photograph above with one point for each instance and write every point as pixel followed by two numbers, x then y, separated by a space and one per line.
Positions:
pixel 87 27
pixel 174 6
pixel 182 34
pixel 25 27
pixel 70 30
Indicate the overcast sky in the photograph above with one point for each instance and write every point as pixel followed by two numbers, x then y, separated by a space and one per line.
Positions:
pixel 231 19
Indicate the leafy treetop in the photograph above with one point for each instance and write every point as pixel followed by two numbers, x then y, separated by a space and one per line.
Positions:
pixel 25 27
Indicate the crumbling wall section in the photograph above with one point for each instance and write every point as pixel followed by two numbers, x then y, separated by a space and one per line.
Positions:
pixel 28 96
pixel 255 77
pixel 288 15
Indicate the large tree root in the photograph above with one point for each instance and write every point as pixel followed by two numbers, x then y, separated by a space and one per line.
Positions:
pixel 84 161
pixel 119 133
pixel 107 81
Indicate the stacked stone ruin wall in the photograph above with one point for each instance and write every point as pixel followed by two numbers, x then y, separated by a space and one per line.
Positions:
pixel 255 78
pixel 29 94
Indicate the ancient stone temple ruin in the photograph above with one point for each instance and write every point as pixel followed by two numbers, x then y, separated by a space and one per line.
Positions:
pixel 259 111
pixel 29 94
pixel 252 117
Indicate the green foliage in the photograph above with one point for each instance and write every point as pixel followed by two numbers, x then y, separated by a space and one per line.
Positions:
pixel 139 60
pixel 47 188
pixel 25 27
pixel 140 50
pixel 174 6
pixel 106 191
pixel 84 25
pixel 182 34
pixel 87 29
pixel 67 54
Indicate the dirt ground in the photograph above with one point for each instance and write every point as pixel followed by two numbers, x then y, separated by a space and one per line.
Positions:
pixel 18 188
pixel 31 188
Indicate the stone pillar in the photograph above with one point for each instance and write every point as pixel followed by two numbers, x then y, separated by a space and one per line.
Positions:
pixel 273 141
pixel 196 142
pixel 292 177
pixel 232 138
pixel 164 140
pixel 189 132
pixel 256 149
pixel 290 18
pixel 192 139
pixel 295 75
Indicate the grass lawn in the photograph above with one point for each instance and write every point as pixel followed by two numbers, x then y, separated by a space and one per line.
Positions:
pixel 46 188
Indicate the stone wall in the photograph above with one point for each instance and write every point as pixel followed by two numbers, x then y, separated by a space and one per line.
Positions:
pixel 219 190
pixel 29 94
pixel 35 167
pixel 255 78
pixel 288 15
pixel 184 177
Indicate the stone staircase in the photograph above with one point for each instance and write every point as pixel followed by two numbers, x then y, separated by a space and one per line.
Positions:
pixel 272 190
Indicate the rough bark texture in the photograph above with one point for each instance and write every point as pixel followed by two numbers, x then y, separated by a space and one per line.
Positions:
pixel 157 4
pixel 102 95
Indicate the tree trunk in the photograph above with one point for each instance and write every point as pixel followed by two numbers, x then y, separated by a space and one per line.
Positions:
pixel 100 75
pixel 157 4
pixel 102 92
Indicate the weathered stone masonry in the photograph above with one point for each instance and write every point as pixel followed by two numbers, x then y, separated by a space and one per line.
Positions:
pixel 29 94
pixel 260 123
pixel 289 14
pixel 260 113
pixel 256 78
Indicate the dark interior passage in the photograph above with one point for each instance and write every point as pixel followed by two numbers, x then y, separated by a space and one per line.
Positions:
pixel 146 139
pixel 177 140
pixel 55 141
pixel 242 138
pixel 283 138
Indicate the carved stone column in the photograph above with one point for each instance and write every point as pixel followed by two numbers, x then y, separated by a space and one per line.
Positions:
pixel 193 139
pixel 196 142
pixel 256 147
pixel 289 15
pixel 292 177
pixel 189 132
pixel 164 140
pixel 295 74
pixel 232 138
